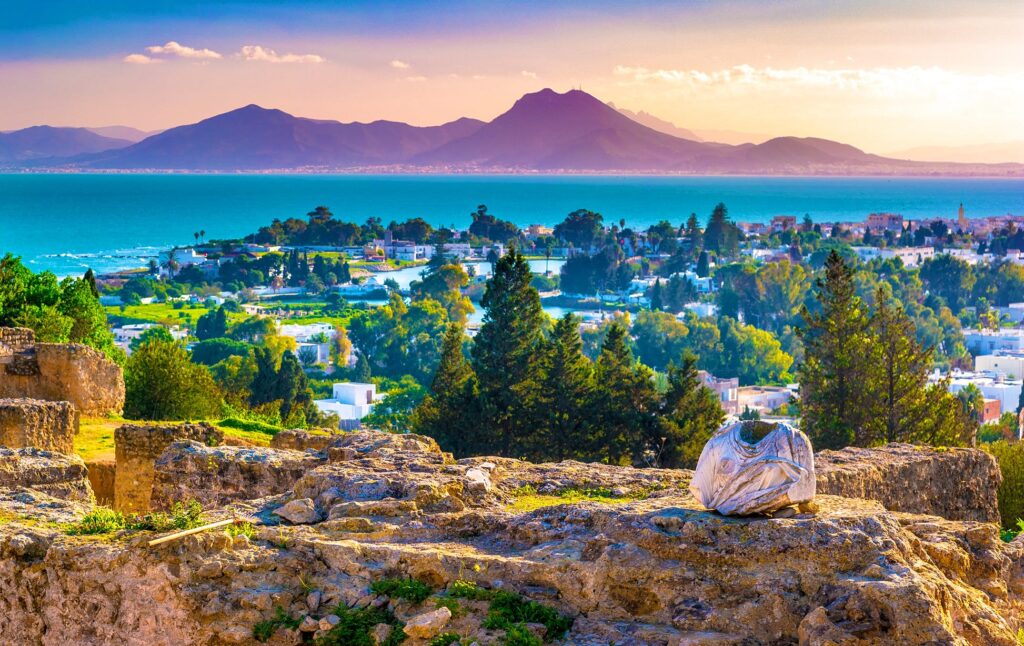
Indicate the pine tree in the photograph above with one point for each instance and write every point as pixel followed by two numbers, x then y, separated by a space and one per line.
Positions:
pixel 721 235
pixel 833 375
pixel 264 383
pixel 623 401
pixel 656 299
pixel 505 352
pixel 689 414
pixel 447 412
pixel 565 393
pixel 212 325
pixel 898 376
pixel 362 373
pixel 293 389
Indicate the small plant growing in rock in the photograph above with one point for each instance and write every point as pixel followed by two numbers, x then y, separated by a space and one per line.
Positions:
pixel 242 529
pixel 356 625
pixel 407 589
pixel 265 629
pixel 508 609
pixel 461 589
pixel 452 605
pixel 520 635
pixel 101 520
pixel 445 639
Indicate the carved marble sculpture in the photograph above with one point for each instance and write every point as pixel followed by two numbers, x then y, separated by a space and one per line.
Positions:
pixel 754 467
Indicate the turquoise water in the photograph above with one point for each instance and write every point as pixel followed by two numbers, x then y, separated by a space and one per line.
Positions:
pixel 66 223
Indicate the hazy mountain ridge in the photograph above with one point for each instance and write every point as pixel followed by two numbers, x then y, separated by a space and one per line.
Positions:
pixel 42 142
pixel 542 132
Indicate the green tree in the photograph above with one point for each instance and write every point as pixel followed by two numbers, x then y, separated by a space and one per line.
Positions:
pixel 689 414
pixel 445 284
pixel 833 375
pixel 212 325
pixel 505 352
pixel 161 383
pixel 623 403
pixel 565 395
pixel 703 265
pixel 447 412
pixel 721 235
pixel 657 303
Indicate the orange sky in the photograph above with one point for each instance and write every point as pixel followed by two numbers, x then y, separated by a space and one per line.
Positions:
pixel 881 78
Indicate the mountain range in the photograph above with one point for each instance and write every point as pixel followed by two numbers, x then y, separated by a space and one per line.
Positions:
pixel 542 132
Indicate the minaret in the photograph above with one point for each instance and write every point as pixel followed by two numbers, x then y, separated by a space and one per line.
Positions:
pixel 961 218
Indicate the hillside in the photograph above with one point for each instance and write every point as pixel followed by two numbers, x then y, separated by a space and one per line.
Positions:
pixel 41 142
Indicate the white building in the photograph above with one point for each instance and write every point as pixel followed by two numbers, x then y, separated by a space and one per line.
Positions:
pixel 305 332
pixel 365 288
pixel 124 335
pixel 183 257
pixel 763 399
pixel 702 285
pixel 702 310
pixel 1006 364
pixel 351 402
pixel 980 342
pixel 992 386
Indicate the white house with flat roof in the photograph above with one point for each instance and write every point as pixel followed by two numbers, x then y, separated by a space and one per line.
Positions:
pixel 1001 363
pixel 350 401
pixel 990 341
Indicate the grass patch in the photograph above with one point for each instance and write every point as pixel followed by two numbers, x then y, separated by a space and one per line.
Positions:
pixel 95 439
pixel 242 529
pixel 265 629
pixel 356 625
pixel 527 499
pixel 103 520
pixel 452 605
pixel 510 612
pixel 520 635
pixel 461 589
pixel 407 589
pixel 445 639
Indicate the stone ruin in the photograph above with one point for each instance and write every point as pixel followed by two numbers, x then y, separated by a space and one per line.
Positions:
pixel 646 564
pixel 47 425
pixel 69 372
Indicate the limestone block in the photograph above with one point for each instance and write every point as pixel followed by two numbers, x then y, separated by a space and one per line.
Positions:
pixel 46 425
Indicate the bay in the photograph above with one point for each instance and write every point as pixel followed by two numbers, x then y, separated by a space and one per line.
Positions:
pixel 69 222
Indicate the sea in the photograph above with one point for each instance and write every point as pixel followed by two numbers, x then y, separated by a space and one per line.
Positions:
pixel 67 223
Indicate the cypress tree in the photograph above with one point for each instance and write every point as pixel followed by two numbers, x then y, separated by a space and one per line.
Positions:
pixel 362 369
pixel 703 265
pixel 505 352
pixel 264 383
pixel 566 389
pixel 833 375
pixel 90 279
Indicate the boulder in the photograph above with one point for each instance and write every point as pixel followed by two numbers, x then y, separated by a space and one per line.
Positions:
pixel 46 425
pixel 428 624
pixel 301 440
pixel 301 511
pixel 58 475
pixel 959 484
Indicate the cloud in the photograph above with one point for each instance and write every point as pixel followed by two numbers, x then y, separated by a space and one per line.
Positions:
pixel 267 55
pixel 416 79
pixel 529 75
pixel 173 48
pixel 139 59
pixel 399 65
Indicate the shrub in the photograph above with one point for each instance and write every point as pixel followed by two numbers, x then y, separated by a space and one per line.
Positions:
pixel 101 520
pixel 265 629
pixel 408 589
pixel 356 625
pixel 452 605
pixel 508 609
pixel 445 639
pixel 1011 491
pixel 520 635
pixel 242 529
pixel 461 589
pixel 252 426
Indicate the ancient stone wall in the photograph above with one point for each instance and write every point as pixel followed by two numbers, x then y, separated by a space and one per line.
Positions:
pixel 958 484
pixel 55 474
pixel 301 440
pixel 51 426
pixel 136 449
pixel 218 475
pixel 70 372
pixel 102 477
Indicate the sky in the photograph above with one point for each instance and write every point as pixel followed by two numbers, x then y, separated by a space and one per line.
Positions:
pixel 884 76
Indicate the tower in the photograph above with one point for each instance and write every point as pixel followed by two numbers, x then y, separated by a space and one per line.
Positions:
pixel 961 218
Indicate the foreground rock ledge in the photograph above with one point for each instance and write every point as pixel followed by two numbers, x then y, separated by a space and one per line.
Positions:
pixel 653 570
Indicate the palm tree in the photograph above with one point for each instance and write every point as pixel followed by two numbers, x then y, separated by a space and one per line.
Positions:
pixel 202 234
pixel 196 236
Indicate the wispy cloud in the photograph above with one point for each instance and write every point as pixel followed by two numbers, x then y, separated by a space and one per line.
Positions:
pixel 139 59
pixel 399 65
pixel 267 55
pixel 173 48
pixel 529 75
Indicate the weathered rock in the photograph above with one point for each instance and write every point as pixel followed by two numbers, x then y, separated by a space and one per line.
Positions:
pixel 136 449
pixel 959 484
pixel 301 511
pixel 46 425
pixel 218 475
pixel 301 440
pixel 660 570
pixel 428 624
pixel 102 475
pixel 56 474
pixel 70 372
